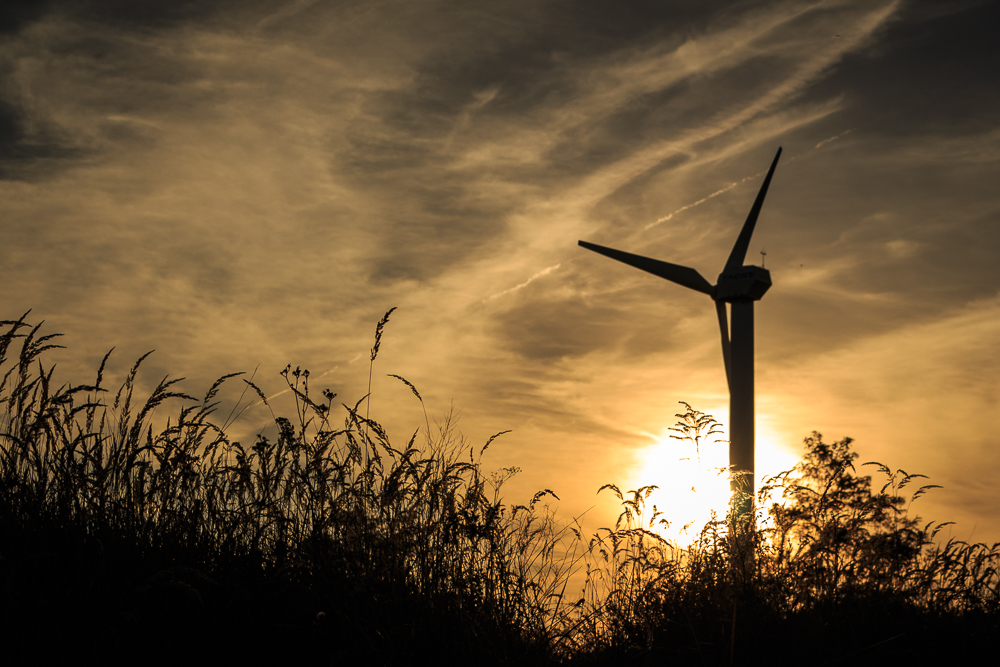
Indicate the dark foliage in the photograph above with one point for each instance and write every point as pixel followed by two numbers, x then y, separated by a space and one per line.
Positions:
pixel 838 574
pixel 326 543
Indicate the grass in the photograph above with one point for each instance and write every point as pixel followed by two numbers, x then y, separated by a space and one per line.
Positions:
pixel 123 540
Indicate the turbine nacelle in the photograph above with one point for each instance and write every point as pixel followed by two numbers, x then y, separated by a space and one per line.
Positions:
pixel 746 283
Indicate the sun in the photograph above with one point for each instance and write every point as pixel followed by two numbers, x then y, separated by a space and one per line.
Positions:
pixel 693 477
pixel 693 481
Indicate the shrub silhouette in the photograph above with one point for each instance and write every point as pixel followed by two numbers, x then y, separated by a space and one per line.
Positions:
pixel 837 537
pixel 836 572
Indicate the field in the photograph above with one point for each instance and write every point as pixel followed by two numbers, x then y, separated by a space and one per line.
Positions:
pixel 121 541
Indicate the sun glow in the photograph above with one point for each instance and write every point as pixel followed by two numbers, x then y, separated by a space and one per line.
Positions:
pixel 693 477
pixel 693 481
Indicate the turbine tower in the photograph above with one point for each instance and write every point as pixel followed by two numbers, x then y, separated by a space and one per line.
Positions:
pixel 739 286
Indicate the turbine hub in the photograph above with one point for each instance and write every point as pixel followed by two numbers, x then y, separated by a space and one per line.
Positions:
pixel 746 283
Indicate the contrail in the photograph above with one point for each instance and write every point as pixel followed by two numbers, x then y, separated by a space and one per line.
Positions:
pixel 700 201
pixel 733 185
pixel 833 138
pixel 543 272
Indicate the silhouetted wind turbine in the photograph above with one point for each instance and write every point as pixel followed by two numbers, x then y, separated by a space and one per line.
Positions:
pixel 739 286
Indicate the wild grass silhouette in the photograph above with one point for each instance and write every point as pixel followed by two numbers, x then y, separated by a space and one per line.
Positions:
pixel 328 542
pixel 325 540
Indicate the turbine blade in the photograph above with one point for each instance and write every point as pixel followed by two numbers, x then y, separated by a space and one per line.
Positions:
pixel 739 253
pixel 720 309
pixel 681 275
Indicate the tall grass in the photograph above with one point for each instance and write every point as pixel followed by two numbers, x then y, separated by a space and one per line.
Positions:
pixel 386 552
pixel 124 535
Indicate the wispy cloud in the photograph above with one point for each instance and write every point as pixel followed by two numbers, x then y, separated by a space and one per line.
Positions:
pixel 259 186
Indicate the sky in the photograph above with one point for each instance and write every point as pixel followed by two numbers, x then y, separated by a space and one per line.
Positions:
pixel 243 185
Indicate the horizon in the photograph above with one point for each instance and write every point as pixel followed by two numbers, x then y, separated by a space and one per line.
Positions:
pixel 242 185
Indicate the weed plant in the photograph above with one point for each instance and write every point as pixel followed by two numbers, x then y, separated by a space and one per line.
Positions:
pixel 121 540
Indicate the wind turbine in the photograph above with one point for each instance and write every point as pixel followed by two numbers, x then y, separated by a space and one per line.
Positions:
pixel 739 286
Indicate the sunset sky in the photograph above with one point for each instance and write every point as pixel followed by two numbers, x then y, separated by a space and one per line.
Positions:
pixel 254 183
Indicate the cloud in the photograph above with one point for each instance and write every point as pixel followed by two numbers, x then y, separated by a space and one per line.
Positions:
pixel 244 183
pixel 287 11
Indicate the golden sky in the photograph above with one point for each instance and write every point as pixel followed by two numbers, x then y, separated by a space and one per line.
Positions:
pixel 251 183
